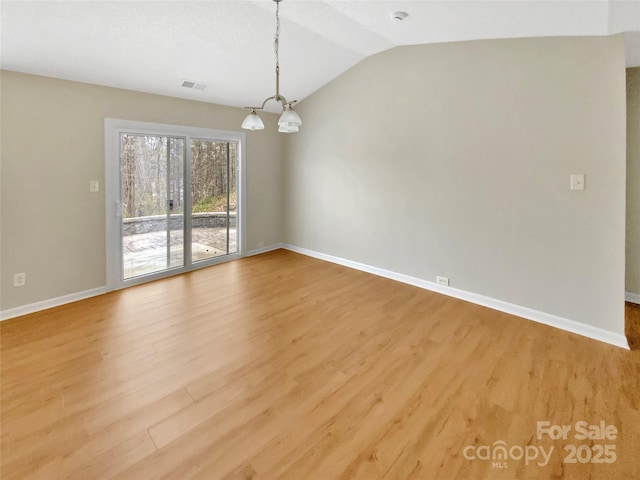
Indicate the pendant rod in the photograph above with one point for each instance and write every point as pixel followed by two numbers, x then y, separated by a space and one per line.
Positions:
pixel 276 48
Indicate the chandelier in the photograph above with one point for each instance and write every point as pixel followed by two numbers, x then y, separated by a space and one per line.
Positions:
pixel 289 120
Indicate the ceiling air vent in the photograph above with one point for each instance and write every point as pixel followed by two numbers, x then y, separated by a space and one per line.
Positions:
pixel 399 16
pixel 190 84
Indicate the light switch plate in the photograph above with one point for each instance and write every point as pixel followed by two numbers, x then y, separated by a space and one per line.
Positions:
pixel 577 181
pixel 94 186
pixel 19 279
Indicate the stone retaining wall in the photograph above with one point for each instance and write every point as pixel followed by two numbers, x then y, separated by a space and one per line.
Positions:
pixel 158 223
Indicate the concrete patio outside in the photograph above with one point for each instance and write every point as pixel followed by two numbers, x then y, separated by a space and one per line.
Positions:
pixel 146 253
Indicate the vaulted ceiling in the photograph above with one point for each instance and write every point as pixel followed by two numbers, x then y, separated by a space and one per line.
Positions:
pixel 228 45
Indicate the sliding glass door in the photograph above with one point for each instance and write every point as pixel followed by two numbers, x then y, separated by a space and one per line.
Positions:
pixel 175 193
pixel 214 180
pixel 152 189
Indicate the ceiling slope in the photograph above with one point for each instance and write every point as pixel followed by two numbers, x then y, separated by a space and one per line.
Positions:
pixel 228 45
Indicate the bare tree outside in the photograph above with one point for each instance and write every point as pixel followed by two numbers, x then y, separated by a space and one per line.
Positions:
pixel 211 163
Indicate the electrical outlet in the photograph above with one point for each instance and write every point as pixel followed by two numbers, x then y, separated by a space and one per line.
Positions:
pixel 444 281
pixel 577 181
pixel 19 279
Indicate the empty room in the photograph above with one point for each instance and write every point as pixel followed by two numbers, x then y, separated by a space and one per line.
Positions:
pixel 318 240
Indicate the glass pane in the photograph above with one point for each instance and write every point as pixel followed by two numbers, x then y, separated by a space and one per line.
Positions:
pixel 152 203
pixel 214 198
pixel 176 201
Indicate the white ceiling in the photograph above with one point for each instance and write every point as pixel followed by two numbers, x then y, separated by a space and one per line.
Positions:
pixel 228 45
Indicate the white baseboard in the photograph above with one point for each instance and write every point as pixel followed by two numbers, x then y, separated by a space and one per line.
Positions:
pixel 74 297
pixel 266 249
pixel 632 297
pixel 520 311
pixel 50 303
pixel 541 317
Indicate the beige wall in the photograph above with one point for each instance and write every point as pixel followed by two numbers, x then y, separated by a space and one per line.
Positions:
pixel 633 181
pixel 454 160
pixel 52 130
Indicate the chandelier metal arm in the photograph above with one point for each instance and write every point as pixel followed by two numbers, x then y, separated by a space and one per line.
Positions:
pixel 275 98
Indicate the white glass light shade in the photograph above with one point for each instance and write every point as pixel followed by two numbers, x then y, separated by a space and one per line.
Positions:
pixel 290 117
pixel 288 128
pixel 253 122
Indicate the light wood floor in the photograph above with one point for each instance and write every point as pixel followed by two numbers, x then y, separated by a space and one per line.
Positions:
pixel 632 324
pixel 283 366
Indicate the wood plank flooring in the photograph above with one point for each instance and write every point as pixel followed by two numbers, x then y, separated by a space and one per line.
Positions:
pixel 281 366
pixel 632 324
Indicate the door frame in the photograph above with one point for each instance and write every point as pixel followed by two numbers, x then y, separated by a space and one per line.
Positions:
pixel 113 128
